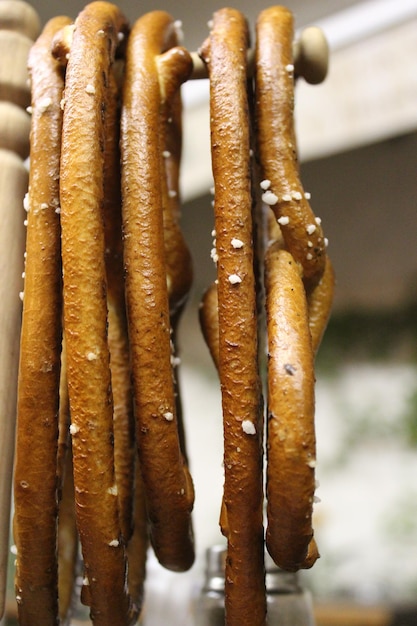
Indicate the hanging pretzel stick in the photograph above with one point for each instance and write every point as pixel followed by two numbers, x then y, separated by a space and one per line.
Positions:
pixel 299 288
pixel 168 485
pixel 124 427
pixel 274 75
pixel 291 440
pixel 35 483
pixel 224 53
pixel 98 29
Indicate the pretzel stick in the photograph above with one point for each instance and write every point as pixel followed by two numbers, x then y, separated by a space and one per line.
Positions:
pixel 168 485
pixel 291 440
pixel 67 542
pixel 96 36
pixel 296 314
pixel 132 508
pixel 319 302
pixel 35 483
pixel 124 435
pixel 274 76
pixel 224 53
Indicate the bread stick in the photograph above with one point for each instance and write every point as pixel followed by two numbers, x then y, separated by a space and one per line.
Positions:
pixel 224 53
pixel 274 85
pixel 98 31
pixel 168 486
pixel 291 452
pixel 35 483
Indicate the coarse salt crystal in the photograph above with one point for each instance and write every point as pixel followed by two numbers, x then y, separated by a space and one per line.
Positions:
pixel 166 154
pixel 44 206
pixel 311 229
pixel 26 205
pixel 289 67
pixel 120 36
pixel 326 242
pixel 269 198
pixel 90 89
pixel 62 103
pixel 248 427
pixel 310 244
pixel 44 104
pixel 307 195
pixel 318 220
pixel 74 429
pixel 91 356
pixel 214 256
pixel 297 195
pixel 169 416
pixel 309 256
pixel 265 184
pixel 113 491
pixel 283 220
pixel 21 295
pixel 114 543
pixel 29 110
pixel 311 463
pixel 172 193
pixel 234 279
pixel 286 197
pixel 178 31
pixel 237 243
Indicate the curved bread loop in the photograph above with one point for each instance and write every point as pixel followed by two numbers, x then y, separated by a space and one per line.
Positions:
pixel 174 67
pixel 209 322
pixel 319 302
pixel 98 29
pixel 35 483
pixel 274 85
pixel 224 53
pixel 291 439
pixel 168 485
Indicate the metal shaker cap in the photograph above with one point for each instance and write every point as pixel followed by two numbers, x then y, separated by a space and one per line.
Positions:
pixel 215 567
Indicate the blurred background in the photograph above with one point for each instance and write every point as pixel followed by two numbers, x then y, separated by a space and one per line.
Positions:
pixel 357 139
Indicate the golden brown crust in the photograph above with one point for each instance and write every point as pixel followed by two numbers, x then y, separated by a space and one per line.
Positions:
pixel 67 541
pixel 139 542
pixel 224 53
pixel 209 322
pixel 319 301
pixel 95 39
pixel 274 80
pixel 291 436
pixel 124 424
pixel 168 485
pixel 35 483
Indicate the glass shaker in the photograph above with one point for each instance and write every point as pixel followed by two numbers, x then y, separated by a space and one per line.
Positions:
pixel 288 604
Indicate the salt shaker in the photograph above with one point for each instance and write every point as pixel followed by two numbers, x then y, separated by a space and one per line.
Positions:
pixel 288 604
